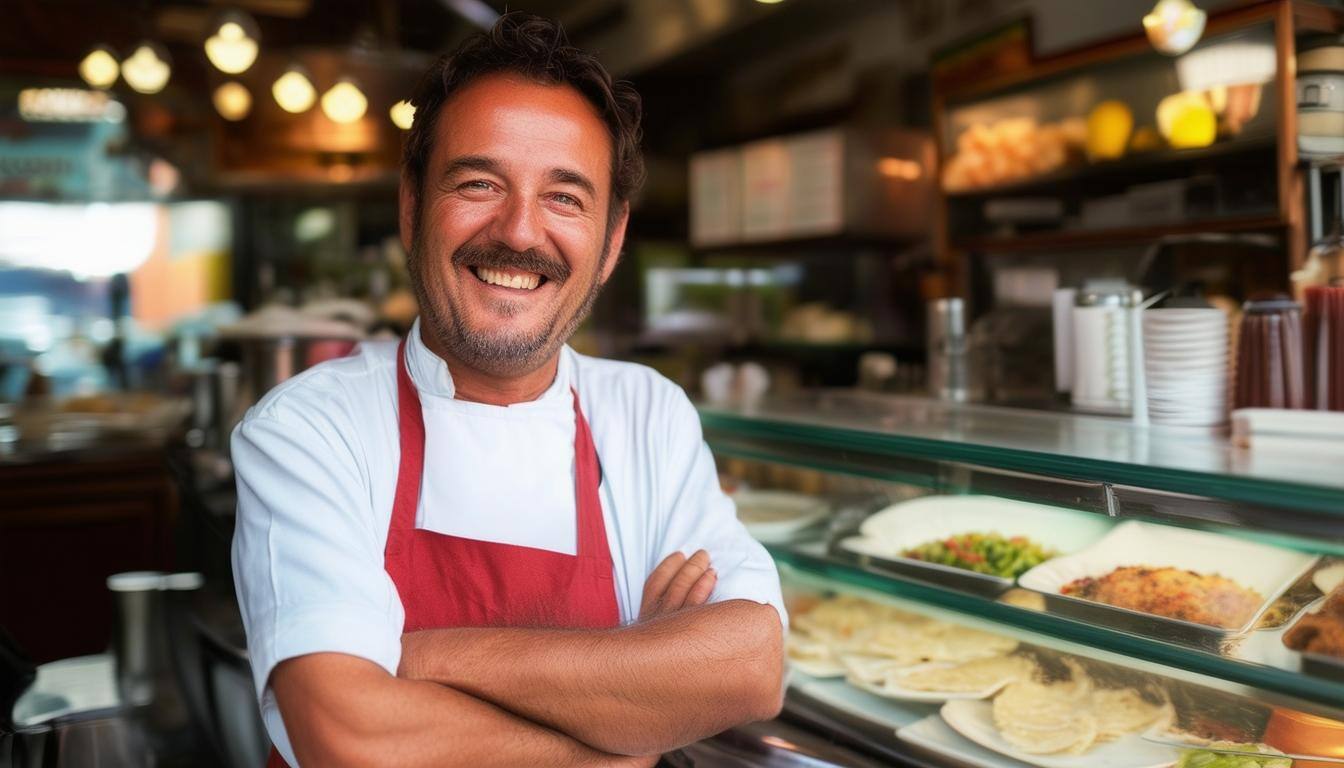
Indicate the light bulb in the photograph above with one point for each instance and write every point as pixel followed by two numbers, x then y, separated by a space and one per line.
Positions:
pixel 402 114
pixel 100 68
pixel 344 102
pixel 1174 26
pixel 293 91
pixel 233 47
pixel 232 101
pixel 147 70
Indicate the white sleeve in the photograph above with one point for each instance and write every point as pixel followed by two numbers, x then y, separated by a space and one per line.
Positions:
pixel 307 562
pixel 698 515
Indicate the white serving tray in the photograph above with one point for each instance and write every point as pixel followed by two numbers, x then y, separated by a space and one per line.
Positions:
pixel 1268 570
pixel 888 533
pixel 934 735
pixel 859 704
pixel 805 511
pixel 975 721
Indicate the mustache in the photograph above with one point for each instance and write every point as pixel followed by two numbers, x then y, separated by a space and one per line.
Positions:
pixel 500 257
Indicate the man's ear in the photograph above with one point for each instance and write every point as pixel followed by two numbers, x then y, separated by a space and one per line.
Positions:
pixel 406 212
pixel 616 243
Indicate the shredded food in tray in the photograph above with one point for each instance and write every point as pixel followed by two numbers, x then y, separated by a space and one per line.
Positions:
pixel 990 553
pixel 1172 592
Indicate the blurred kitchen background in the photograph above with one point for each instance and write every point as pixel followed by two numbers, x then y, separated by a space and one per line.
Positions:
pixel 198 200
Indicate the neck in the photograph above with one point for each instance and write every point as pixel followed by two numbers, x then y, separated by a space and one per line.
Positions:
pixel 478 386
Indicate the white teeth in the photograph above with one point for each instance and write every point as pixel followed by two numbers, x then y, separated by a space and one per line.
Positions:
pixel 527 281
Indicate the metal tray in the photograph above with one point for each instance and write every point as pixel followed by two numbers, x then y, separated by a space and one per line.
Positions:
pixel 920 570
pixel 1142 624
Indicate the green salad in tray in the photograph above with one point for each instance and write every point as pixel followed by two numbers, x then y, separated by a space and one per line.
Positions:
pixel 989 553
pixel 1205 759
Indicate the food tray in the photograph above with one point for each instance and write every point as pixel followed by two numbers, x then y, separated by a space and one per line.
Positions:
pixel 911 523
pixel 796 512
pixel 852 549
pixel 1270 571
pixel 1315 664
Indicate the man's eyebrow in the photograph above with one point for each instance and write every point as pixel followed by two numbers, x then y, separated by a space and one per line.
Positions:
pixel 566 176
pixel 472 163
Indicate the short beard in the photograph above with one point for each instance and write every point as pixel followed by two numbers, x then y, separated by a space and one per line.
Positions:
pixel 494 354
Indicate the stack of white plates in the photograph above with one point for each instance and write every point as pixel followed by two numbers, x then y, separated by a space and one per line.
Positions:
pixel 1185 363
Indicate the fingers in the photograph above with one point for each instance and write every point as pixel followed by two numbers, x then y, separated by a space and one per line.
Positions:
pixel 657 583
pixel 674 598
pixel 704 586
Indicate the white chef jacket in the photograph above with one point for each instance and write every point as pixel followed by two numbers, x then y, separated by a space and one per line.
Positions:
pixel 316 463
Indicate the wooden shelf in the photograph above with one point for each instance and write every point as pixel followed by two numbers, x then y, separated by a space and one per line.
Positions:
pixel 1055 181
pixel 1032 241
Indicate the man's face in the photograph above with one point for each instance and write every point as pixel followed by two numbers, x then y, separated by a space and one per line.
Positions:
pixel 511 244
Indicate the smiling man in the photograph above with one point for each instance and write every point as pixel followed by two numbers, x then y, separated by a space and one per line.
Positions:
pixel 476 547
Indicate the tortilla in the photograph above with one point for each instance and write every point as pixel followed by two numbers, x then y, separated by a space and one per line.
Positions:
pixel 967 677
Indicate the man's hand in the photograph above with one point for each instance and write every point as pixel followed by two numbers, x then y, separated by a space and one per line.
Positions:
pixel 677 582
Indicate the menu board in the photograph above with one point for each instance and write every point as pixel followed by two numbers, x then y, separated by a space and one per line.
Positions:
pixel 716 197
pixel 769 190
pixel 765 190
pixel 816 184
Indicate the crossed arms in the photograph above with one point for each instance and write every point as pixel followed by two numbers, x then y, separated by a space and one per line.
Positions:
pixel 519 696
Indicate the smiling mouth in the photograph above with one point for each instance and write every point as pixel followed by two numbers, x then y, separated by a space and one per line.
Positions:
pixel 523 281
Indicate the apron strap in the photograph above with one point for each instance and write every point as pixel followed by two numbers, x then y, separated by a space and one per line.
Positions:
pixel 592 534
pixel 411 423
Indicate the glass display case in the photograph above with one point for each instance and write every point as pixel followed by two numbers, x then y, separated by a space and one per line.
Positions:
pixel 973 585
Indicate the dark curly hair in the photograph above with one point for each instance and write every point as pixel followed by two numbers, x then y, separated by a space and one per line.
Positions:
pixel 535 48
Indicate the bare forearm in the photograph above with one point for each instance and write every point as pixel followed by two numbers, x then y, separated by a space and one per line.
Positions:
pixel 397 722
pixel 650 687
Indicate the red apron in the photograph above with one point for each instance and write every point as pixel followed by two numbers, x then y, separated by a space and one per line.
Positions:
pixel 448 581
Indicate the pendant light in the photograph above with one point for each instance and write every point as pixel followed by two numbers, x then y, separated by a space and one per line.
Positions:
pixel 1174 26
pixel 147 69
pixel 402 114
pixel 100 68
pixel 233 47
pixel 293 91
pixel 232 101
pixel 344 102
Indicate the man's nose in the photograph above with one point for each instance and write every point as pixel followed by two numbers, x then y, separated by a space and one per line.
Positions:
pixel 518 225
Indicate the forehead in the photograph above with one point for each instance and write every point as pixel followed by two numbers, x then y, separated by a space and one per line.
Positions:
pixel 525 126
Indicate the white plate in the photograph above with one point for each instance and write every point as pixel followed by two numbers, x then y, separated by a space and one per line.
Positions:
pixel 818 669
pixel 797 510
pixel 928 697
pixel 933 734
pixel 918 521
pixel 975 721
pixel 1181 313
pixel 861 704
pixel 1268 570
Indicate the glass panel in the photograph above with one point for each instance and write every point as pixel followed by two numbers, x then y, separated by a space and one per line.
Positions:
pixel 898 437
pixel 940 682
pixel 1225 597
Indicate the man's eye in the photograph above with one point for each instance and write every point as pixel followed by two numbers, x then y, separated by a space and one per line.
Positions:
pixel 565 199
pixel 477 185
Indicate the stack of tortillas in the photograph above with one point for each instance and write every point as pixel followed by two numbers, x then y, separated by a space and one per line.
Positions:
pixel 1071 716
